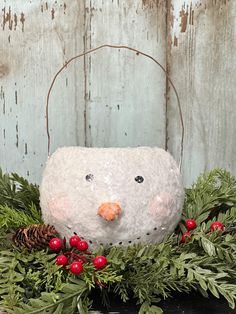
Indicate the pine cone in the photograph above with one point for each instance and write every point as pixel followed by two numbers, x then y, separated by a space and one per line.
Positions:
pixel 34 236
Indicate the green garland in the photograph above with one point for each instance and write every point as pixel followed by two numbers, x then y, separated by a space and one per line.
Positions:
pixel 30 282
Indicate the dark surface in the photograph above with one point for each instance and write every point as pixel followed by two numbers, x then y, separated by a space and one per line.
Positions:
pixel 179 304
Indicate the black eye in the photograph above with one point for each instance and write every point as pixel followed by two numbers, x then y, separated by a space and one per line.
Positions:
pixel 139 179
pixel 89 177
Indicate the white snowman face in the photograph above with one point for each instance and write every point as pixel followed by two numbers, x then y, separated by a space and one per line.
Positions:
pixel 112 195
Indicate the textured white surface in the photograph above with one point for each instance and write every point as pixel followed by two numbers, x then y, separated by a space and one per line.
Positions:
pixel 150 209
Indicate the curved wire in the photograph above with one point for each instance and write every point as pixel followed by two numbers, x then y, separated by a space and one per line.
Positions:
pixel 138 52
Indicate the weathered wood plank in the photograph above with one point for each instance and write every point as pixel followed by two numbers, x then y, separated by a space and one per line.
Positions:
pixel 202 64
pixel 36 39
pixel 125 91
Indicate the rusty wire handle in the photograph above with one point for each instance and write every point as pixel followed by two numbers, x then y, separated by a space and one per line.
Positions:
pixel 138 52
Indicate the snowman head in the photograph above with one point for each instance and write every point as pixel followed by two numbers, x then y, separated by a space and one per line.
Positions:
pixel 112 196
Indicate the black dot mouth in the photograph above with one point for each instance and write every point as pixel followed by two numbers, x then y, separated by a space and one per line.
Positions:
pixel 123 242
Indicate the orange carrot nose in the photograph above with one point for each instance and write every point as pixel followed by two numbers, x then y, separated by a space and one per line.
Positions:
pixel 109 211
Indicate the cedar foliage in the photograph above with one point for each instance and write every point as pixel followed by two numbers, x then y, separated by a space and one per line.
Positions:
pixel 31 282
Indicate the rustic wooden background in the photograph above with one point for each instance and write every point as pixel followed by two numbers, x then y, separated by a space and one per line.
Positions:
pixel 118 98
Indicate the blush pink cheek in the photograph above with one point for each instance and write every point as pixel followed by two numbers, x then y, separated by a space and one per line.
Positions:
pixel 59 206
pixel 160 205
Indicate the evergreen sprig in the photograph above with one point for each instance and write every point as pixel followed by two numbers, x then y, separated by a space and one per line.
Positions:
pixel 212 191
pixel 67 301
pixel 17 192
pixel 25 275
pixel 67 296
pixel 11 218
pixel 153 271
pixel 11 277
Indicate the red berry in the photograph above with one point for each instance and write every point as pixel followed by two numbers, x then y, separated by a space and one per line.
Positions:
pixel 76 268
pixel 185 235
pixel 82 246
pixel 74 240
pixel 217 225
pixel 61 260
pixel 100 262
pixel 190 224
pixel 55 244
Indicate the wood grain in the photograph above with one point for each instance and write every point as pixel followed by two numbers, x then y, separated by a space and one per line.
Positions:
pixel 125 92
pixel 202 64
pixel 31 51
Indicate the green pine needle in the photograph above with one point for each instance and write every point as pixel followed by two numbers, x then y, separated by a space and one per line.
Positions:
pixel 11 218
pixel 213 190
pixel 17 192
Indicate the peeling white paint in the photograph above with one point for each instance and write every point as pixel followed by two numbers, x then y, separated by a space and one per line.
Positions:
pixel 203 65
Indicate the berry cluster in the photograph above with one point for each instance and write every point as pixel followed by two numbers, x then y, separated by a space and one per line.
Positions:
pixel 76 255
pixel 191 224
